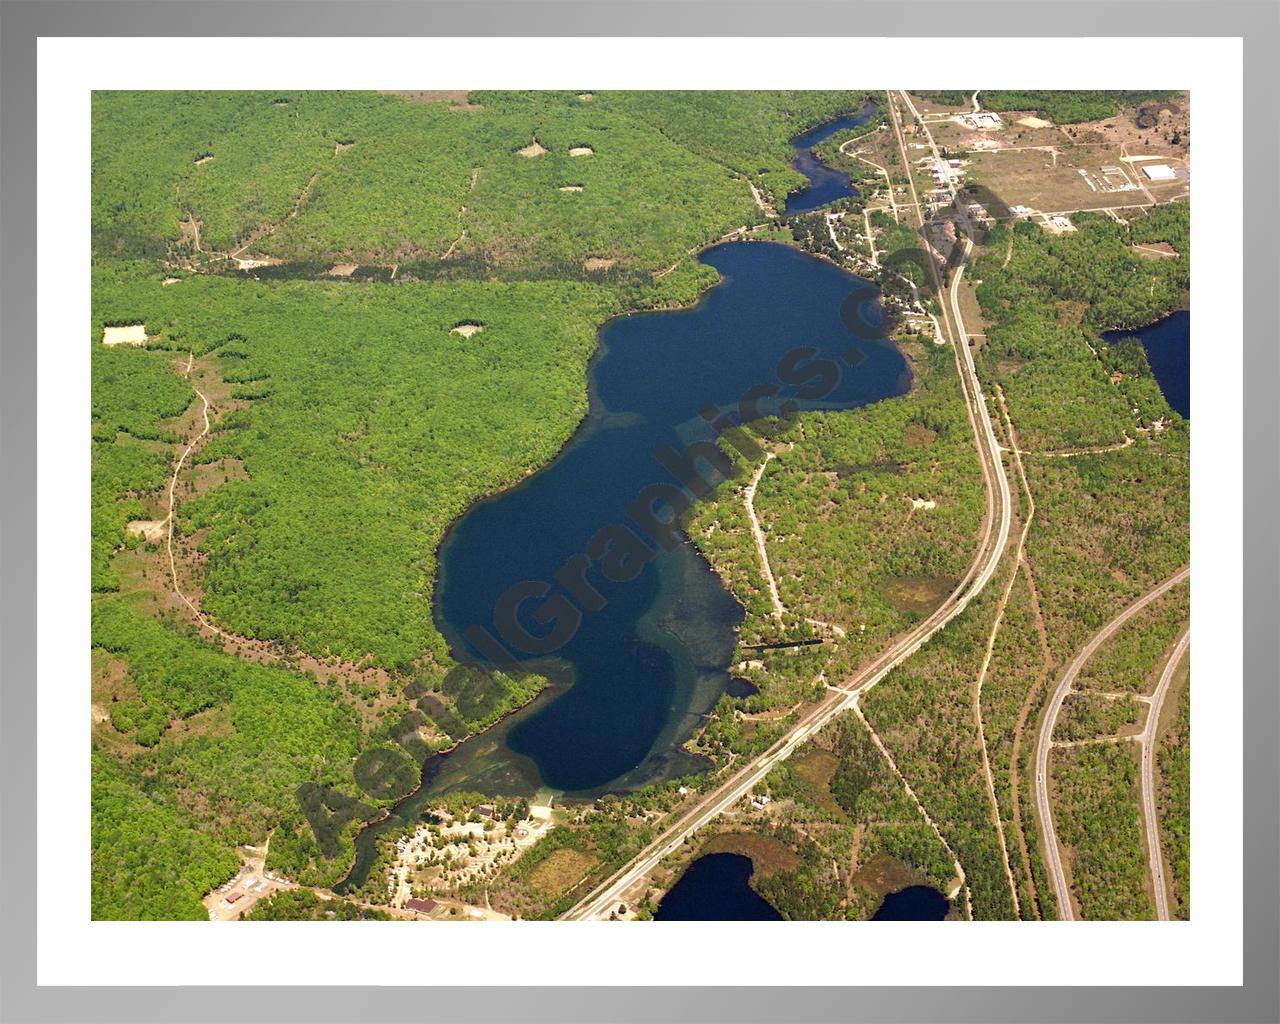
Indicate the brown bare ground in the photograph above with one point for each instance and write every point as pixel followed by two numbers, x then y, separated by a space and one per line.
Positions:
pixel 152 529
pixel 817 767
pixel 582 151
pixel 561 871
pixel 341 270
pixel 917 593
pixel 598 263
pixel 767 854
pixel 535 148
pixel 457 99
pixel 919 436
pixel 883 874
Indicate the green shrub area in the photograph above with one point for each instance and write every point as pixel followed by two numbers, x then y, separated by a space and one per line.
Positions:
pixel 150 862
pixel 538 888
pixel 1131 660
pixel 1107 528
pixel 133 392
pixel 836 795
pixel 1065 387
pixel 240 777
pixel 846 545
pixel 120 470
pixel 1062 106
pixel 1173 802
pixel 1013 693
pixel 219 745
pixel 316 176
pixel 1097 798
pixel 748 132
pixel 1090 715
pixel 353 456
pixel 923 712
pixel 644 200
pixel 847 489
pixel 304 905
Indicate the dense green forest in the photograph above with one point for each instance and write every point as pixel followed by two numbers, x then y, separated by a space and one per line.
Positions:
pixel 1062 106
pixel 1097 797
pixel 1065 389
pixel 379 179
pixel 304 905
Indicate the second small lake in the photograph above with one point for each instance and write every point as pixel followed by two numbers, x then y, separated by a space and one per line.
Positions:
pixel 715 887
pixel 1168 346
pixel 914 903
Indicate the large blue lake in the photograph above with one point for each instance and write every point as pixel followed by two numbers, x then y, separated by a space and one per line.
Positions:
pixel 1168 346
pixel 636 675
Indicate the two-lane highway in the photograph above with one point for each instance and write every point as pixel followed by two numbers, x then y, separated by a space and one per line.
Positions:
pixel 1148 739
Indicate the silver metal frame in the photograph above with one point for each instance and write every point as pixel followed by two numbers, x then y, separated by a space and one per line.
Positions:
pixel 1258 23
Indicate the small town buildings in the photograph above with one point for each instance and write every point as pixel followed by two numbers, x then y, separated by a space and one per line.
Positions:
pixel 983 120
pixel 420 906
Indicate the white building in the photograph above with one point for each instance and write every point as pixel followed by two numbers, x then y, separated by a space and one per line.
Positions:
pixel 1159 172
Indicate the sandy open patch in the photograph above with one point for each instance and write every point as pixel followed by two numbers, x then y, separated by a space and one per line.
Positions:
pixel 151 529
pixel 204 159
pixel 582 151
pixel 467 330
pixel 923 503
pixel 341 270
pixel 257 261
pixel 570 188
pixel 598 263
pixel 130 334
pixel 586 97
pixel 535 148
pixel 339 147
pixel 1035 122
pixel 171 280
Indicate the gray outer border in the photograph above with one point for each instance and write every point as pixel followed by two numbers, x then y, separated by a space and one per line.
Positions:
pixel 1257 22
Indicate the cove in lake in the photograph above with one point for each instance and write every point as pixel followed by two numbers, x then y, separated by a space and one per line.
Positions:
pixel 826 184
pixel 715 888
pixel 1168 346
pixel 914 903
